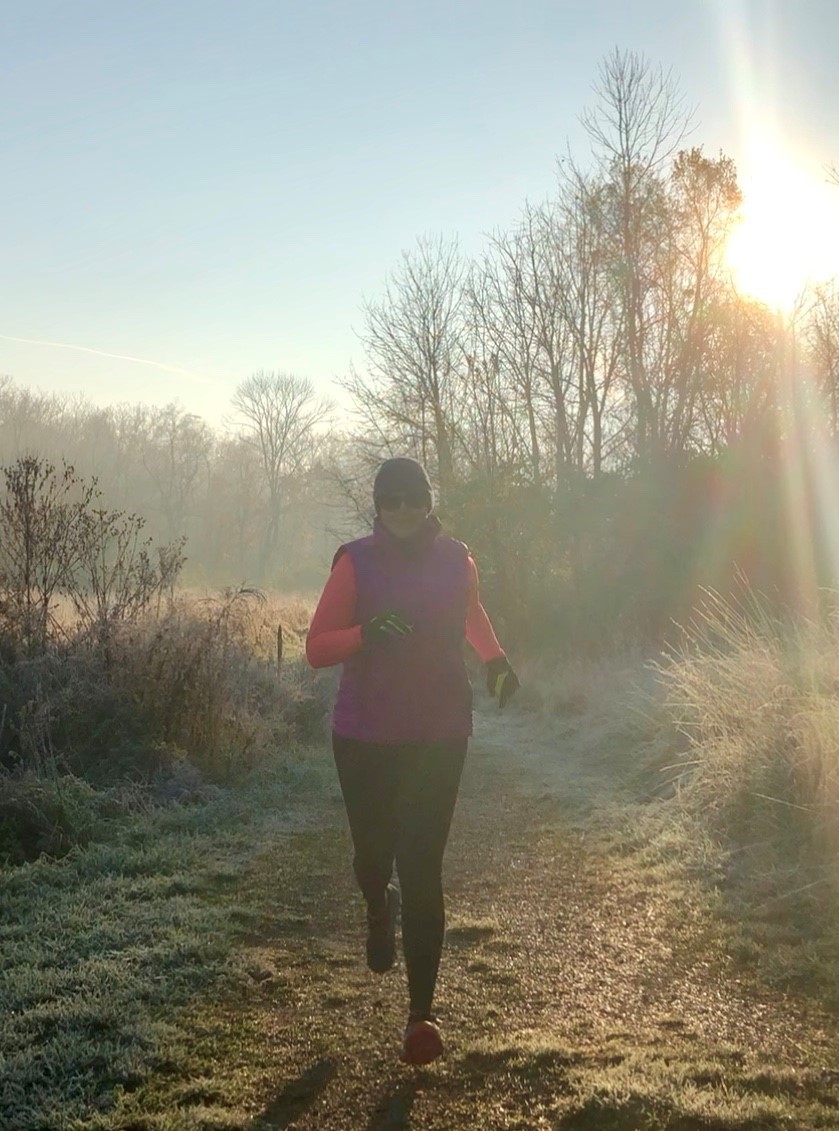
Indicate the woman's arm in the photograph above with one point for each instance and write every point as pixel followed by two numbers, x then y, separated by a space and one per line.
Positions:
pixel 479 631
pixel 334 636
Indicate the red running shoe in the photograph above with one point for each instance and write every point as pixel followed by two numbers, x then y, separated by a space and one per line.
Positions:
pixel 423 1042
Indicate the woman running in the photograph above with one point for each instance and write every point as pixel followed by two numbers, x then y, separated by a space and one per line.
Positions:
pixel 395 611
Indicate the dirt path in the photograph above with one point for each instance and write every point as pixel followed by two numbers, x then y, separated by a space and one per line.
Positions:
pixel 578 989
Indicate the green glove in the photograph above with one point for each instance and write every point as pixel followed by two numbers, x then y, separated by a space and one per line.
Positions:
pixel 502 681
pixel 384 626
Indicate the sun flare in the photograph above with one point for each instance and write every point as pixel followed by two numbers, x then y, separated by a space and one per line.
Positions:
pixel 789 232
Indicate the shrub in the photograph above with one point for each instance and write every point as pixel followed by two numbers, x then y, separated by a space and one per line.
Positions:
pixel 194 676
pixel 51 815
pixel 56 540
pixel 187 679
pixel 106 677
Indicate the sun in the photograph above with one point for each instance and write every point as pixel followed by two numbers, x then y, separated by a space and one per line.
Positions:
pixel 789 232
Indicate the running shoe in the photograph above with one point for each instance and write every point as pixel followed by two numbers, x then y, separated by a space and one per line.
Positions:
pixel 423 1042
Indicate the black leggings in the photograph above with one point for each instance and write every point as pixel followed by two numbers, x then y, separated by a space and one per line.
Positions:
pixel 400 800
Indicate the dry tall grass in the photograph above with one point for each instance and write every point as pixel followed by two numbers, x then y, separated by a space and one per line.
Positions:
pixel 757 696
pixel 738 724
pixel 259 614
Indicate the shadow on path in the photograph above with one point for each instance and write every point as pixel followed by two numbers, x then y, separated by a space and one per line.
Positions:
pixel 394 1109
pixel 297 1097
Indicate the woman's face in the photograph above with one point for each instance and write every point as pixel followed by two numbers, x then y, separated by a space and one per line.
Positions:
pixel 402 513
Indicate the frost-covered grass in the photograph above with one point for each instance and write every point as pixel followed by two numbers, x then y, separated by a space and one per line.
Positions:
pixel 103 951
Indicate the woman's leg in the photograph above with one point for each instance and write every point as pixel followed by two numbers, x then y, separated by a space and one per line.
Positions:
pixel 368 773
pixel 429 780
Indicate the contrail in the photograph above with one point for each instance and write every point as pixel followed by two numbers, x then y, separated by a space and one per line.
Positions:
pixel 105 353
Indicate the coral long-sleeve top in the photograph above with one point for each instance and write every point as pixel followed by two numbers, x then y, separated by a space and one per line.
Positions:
pixel 334 635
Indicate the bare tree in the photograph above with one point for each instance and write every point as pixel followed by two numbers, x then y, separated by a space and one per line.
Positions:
pixel 637 125
pixel 30 422
pixel 41 533
pixel 280 414
pixel 704 200
pixel 735 391
pixel 501 373
pixel 413 340
pixel 177 458
pixel 822 336
pixel 234 527
pixel 539 311
pixel 589 309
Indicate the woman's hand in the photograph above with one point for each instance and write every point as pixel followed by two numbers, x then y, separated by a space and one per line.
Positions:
pixel 384 626
pixel 502 681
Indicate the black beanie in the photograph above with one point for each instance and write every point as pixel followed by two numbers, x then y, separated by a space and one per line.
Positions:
pixel 402 474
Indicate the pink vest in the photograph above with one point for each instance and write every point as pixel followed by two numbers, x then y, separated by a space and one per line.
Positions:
pixel 413 688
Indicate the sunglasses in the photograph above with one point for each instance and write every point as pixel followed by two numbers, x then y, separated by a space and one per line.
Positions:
pixel 392 501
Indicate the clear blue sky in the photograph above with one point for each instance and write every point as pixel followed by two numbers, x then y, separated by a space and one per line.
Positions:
pixel 216 185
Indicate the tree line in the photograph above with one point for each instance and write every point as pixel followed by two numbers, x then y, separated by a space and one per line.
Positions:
pixel 246 500
pixel 604 333
pixel 609 423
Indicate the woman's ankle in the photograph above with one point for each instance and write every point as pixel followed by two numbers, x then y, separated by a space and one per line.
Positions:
pixel 421 1015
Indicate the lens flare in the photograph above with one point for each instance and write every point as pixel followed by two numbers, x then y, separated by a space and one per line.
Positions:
pixel 789 232
pixel 788 236
pixel 787 239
